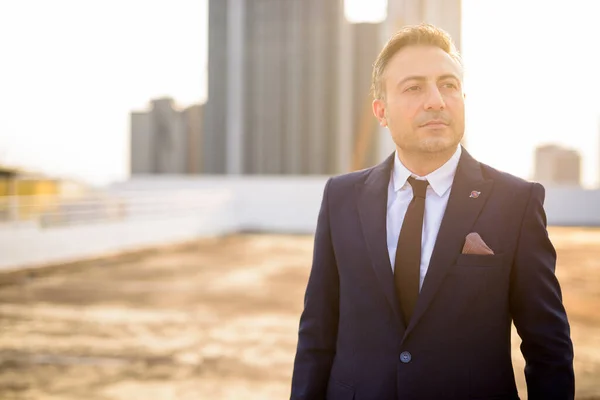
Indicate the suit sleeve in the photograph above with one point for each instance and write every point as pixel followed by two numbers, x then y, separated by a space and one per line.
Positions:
pixel 317 332
pixel 537 308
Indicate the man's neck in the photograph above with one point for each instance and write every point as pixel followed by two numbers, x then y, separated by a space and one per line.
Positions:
pixel 423 164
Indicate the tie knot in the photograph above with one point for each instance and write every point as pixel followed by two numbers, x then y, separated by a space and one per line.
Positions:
pixel 419 187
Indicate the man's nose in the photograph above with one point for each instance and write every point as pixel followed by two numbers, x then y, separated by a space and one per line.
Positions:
pixel 434 100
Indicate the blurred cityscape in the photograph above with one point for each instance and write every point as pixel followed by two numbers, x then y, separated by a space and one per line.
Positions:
pixel 175 244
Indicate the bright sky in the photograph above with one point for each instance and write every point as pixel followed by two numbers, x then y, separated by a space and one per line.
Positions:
pixel 71 71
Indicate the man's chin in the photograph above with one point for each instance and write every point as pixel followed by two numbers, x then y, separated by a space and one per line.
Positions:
pixel 438 146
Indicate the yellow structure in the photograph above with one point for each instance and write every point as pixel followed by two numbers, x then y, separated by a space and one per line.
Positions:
pixel 23 196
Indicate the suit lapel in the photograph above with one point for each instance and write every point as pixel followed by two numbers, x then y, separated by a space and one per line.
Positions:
pixel 372 211
pixel 460 215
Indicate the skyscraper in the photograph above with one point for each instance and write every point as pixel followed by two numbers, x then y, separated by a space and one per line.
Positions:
pixel 287 82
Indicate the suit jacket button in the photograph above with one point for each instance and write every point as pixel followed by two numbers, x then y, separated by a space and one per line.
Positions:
pixel 405 357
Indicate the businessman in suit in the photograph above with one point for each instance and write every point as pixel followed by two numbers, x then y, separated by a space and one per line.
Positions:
pixel 421 263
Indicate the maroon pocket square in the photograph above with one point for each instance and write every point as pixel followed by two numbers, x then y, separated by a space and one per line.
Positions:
pixel 474 244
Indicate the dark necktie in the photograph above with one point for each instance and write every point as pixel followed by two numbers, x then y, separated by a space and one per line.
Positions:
pixel 408 254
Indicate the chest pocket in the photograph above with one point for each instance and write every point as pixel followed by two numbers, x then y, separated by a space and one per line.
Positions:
pixel 479 260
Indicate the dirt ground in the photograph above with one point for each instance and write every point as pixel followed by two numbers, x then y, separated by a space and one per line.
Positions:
pixel 214 319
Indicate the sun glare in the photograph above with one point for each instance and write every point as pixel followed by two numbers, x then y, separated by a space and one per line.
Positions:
pixel 370 11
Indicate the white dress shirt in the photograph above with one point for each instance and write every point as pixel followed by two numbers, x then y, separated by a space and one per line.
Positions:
pixel 400 194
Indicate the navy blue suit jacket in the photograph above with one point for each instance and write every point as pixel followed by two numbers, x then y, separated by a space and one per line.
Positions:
pixel 352 342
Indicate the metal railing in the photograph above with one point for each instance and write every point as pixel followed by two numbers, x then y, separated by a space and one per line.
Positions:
pixel 54 211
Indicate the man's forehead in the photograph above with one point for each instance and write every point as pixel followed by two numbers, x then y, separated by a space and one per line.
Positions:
pixel 419 60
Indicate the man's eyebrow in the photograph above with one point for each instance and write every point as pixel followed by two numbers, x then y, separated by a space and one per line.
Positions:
pixel 412 78
pixel 448 76
pixel 420 78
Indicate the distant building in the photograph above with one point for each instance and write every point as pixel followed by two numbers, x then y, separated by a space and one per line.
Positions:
pixel 193 119
pixel 288 84
pixel 165 140
pixel 555 165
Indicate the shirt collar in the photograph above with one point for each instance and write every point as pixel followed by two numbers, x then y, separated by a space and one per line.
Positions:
pixel 440 180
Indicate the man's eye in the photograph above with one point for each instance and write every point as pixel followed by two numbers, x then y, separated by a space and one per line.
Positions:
pixel 412 89
pixel 450 85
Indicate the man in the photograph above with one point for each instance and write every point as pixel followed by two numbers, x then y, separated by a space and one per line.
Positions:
pixel 421 263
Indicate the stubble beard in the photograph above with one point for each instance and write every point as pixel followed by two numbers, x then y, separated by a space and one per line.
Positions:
pixel 431 147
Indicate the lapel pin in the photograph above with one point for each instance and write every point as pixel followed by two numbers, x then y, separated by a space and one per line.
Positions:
pixel 475 194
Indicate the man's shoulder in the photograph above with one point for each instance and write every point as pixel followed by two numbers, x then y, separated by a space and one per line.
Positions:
pixel 505 179
pixel 350 179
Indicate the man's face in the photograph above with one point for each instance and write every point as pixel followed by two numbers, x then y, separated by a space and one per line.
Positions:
pixel 424 101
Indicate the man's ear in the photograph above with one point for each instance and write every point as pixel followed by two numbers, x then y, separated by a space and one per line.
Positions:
pixel 379 111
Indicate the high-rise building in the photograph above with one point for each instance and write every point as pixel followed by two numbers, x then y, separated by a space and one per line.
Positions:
pixel 165 140
pixel 287 84
pixel 555 165
pixel 193 121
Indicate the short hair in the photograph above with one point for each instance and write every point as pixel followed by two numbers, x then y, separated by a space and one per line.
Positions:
pixel 422 34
